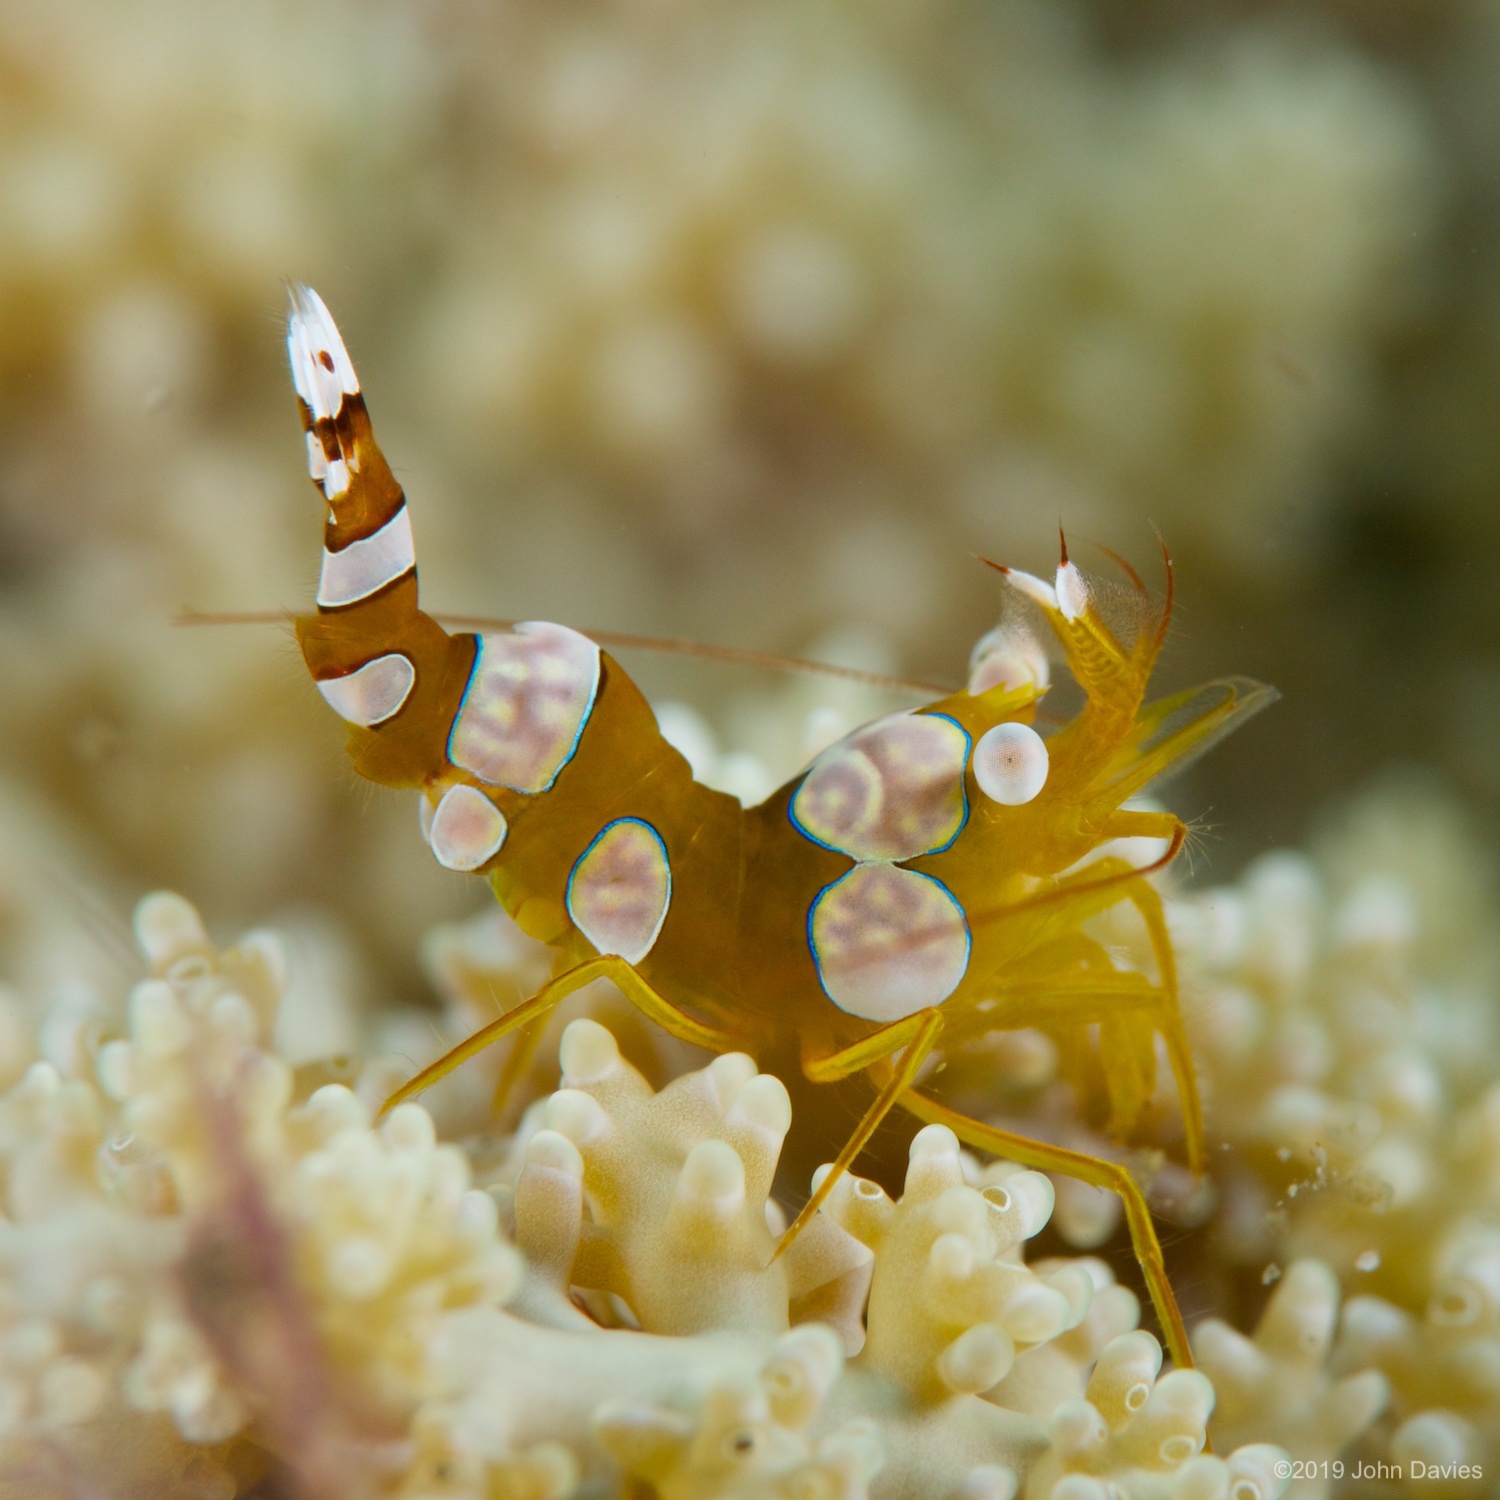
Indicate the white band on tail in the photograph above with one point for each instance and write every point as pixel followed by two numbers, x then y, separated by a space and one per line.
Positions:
pixel 367 566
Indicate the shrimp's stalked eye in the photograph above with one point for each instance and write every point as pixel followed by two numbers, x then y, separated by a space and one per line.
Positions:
pixel 1010 764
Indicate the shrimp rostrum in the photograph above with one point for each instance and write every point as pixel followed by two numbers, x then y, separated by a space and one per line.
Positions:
pixel 925 882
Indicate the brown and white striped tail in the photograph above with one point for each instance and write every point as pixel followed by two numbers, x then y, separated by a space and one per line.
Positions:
pixel 368 545
pixel 364 645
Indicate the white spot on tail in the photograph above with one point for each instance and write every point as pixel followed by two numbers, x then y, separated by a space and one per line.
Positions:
pixel 372 693
pixel 317 460
pixel 336 482
pixel 367 566
pixel 321 368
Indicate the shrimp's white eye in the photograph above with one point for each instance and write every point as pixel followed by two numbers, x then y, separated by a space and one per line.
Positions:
pixel 1010 763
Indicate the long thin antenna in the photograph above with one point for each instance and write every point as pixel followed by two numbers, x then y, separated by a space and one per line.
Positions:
pixel 735 655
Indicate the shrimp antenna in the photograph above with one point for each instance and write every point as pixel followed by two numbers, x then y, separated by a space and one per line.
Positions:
pixel 1171 590
pixel 1124 566
pixel 735 655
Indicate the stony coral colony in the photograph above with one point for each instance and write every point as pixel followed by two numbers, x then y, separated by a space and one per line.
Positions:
pixel 218 1276
pixel 222 1277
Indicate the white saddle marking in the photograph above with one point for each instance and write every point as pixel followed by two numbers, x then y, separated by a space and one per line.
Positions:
pixel 888 942
pixel 892 790
pixel 368 565
pixel 529 697
pixel 621 888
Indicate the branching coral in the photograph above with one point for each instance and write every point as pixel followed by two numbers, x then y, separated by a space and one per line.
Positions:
pixel 1343 1012
pixel 750 1439
pixel 1280 1380
pixel 186 1239
pixel 216 1267
pixel 949 1304
pixel 676 1186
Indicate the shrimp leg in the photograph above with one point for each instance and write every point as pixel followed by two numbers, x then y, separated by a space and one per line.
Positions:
pixel 1147 901
pixel 607 966
pixel 918 1034
pixel 1045 1157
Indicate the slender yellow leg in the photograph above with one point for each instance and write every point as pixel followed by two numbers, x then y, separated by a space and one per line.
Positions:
pixel 516 1064
pixel 607 966
pixel 1137 822
pixel 1045 1157
pixel 1147 901
pixel 870 1049
pixel 1092 890
pixel 917 1033
pixel 1121 882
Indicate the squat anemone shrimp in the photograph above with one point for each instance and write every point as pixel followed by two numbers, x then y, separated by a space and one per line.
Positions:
pixel 924 883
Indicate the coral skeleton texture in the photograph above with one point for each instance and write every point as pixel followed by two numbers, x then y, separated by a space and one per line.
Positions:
pixel 791 304
pixel 217 1270
pixel 1343 1012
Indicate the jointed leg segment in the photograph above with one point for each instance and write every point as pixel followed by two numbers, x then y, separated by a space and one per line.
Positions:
pixel 918 1034
pixel 1147 901
pixel 1043 1156
pixel 517 1061
pixel 635 989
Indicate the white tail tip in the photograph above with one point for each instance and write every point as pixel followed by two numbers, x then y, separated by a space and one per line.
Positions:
pixel 321 368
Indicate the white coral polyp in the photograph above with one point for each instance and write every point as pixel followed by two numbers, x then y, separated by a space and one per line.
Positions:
pixel 238 1269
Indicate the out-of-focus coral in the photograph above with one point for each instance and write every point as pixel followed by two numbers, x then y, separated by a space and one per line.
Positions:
pixel 192 1252
pixel 1280 1381
pixel 218 1272
pixel 750 1439
pixel 737 320
pixel 1342 1008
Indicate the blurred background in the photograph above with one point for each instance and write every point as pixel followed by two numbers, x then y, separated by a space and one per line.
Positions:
pixel 744 320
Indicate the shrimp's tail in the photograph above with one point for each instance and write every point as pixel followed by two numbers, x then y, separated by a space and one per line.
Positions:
pixel 391 672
